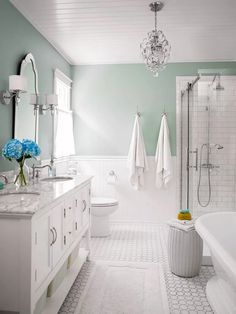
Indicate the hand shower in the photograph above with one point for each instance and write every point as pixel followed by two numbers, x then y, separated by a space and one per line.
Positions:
pixel 209 167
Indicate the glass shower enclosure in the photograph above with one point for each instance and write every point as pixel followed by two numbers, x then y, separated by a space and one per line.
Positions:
pixel 206 143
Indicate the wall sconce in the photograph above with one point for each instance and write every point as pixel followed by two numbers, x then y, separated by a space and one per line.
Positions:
pixel 36 101
pixel 51 102
pixel 17 85
pixel 39 106
pixel 39 103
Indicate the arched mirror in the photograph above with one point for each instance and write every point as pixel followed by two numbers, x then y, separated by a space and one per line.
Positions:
pixel 26 118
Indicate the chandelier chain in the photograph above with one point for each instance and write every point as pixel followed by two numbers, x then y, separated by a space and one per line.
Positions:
pixel 155 20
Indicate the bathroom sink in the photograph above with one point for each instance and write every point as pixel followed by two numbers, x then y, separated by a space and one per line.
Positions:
pixel 57 179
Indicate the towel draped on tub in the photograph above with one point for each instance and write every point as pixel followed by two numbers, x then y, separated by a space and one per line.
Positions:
pixel 137 158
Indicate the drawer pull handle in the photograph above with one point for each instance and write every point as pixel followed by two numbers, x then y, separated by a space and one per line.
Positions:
pixel 52 237
pixel 76 226
pixel 85 205
pixel 54 229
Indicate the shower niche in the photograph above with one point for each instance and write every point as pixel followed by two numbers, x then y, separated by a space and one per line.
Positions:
pixel 206 142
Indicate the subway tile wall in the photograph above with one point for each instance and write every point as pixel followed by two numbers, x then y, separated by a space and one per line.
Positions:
pixel 213 116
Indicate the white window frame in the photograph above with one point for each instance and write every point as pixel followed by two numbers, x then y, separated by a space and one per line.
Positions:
pixel 58 75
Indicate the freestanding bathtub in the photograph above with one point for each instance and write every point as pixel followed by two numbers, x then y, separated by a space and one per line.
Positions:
pixel 218 230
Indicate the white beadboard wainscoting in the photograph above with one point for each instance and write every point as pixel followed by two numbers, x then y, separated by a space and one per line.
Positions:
pixel 146 205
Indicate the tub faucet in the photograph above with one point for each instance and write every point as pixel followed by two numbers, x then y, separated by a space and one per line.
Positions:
pixel 4 177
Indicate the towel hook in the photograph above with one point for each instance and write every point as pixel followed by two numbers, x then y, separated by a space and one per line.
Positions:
pixel 137 112
pixel 164 111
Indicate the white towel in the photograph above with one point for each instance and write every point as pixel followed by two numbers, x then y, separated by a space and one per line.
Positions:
pixel 137 158
pixel 185 225
pixel 163 156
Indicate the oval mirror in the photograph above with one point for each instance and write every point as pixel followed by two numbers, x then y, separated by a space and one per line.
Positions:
pixel 26 118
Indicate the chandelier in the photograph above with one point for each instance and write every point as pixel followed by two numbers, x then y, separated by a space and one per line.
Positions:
pixel 155 48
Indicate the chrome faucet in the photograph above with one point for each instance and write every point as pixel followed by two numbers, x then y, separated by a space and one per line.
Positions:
pixel 4 177
pixel 36 170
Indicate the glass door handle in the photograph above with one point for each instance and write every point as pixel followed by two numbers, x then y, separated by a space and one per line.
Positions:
pixel 196 159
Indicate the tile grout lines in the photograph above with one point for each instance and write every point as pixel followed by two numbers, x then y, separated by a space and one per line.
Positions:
pixel 143 242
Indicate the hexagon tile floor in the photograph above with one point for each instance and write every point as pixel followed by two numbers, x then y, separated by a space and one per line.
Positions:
pixel 144 242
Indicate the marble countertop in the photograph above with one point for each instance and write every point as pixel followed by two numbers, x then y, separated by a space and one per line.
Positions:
pixel 14 203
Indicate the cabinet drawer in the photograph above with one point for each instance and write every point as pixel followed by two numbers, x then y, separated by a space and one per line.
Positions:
pixel 77 213
pixel 85 205
pixel 68 221
pixel 68 209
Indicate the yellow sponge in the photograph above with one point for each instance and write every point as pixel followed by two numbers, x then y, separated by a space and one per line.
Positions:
pixel 184 216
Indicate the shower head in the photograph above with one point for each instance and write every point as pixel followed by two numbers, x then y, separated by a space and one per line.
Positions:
pixel 219 87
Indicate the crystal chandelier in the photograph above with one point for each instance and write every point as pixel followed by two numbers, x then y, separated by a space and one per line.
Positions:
pixel 155 48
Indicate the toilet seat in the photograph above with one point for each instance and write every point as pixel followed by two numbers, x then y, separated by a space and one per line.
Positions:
pixel 103 202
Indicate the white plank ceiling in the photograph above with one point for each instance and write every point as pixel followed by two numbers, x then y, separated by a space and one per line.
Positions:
pixel 110 31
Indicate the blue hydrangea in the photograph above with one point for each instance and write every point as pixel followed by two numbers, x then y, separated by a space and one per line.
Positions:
pixel 30 148
pixel 13 149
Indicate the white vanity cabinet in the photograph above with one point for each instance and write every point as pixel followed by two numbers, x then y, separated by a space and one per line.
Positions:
pixel 47 248
pixel 68 221
pixel 82 208
pixel 33 249
pixel 77 214
pixel 86 206
pixel 41 252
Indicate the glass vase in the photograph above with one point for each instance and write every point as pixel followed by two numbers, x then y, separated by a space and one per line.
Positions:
pixel 22 175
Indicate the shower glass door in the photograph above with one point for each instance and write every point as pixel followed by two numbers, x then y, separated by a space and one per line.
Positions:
pixel 208 145
pixel 186 150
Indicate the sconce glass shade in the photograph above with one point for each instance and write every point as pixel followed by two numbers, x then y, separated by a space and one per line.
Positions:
pixel 17 83
pixel 37 99
pixel 33 99
pixel 52 99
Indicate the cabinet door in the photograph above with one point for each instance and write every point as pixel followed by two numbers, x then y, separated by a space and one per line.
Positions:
pixel 42 259
pixel 77 213
pixel 68 222
pixel 85 205
pixel 57 229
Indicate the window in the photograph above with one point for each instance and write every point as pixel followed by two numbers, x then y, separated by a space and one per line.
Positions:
pixel 64 139
pixel 63 90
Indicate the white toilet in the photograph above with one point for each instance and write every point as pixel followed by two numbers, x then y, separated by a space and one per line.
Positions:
pixel 101 209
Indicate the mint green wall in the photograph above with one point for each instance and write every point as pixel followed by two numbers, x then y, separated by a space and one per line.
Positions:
pixel 105 99
pixel 104 96
pixel 17 38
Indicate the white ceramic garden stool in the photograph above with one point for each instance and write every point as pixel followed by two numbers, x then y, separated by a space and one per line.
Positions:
pixel 101 209
pixel 184 252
